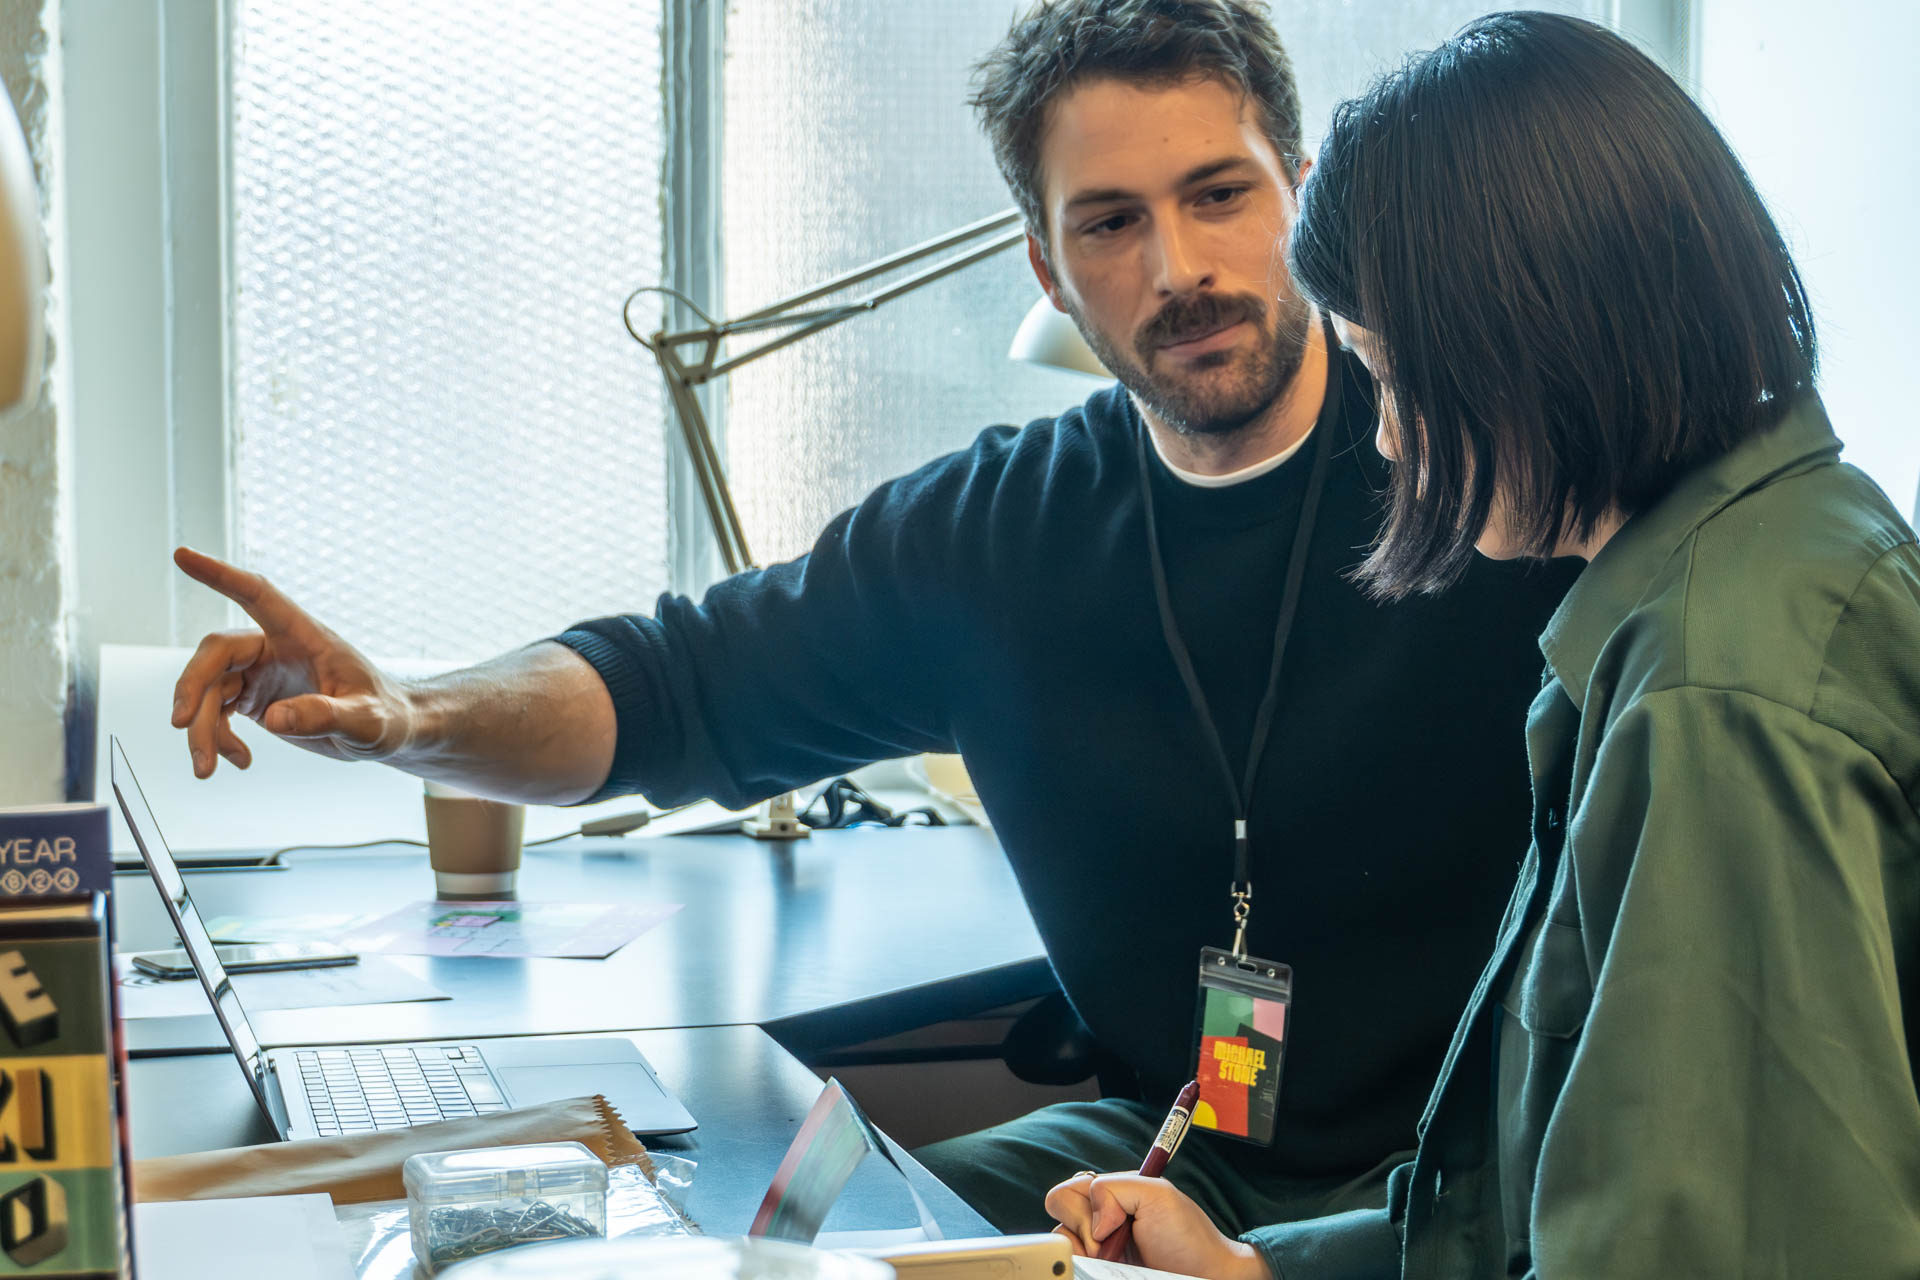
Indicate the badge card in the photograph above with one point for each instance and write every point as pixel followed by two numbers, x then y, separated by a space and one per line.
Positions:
pixel 1242 1038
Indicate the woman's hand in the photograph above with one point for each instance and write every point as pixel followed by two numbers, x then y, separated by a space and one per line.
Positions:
pixel 1170 1231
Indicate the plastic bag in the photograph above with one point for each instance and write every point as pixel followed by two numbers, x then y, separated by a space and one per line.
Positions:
pixel 380 1243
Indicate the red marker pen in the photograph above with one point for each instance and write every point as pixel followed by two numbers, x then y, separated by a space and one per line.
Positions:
pixel 1114 1246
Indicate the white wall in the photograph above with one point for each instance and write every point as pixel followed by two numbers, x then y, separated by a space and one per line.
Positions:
pixel 35 532
pixel 1823 106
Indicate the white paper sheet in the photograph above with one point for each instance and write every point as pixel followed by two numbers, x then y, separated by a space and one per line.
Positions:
pixel 578 930
pixel 1095 1269
pixel 372 981
pixel 286 1237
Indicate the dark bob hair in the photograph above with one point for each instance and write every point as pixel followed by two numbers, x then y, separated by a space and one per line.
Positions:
pixel 1061 44
pixel 1573 287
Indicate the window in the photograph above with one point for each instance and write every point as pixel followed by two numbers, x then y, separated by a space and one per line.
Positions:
pixel 444 441
pixel 379 253
pixel 1821 113
pixel 847 135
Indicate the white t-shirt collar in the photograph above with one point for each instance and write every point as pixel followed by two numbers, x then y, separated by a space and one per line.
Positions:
pixel 1244 474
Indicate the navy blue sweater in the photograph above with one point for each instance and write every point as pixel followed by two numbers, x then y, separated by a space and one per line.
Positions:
pixel 998 602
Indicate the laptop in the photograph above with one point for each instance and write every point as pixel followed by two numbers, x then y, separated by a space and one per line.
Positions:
pixel 336 1090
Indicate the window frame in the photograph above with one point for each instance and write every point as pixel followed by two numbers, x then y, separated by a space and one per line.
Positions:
pixel 694 70
pixel 145 214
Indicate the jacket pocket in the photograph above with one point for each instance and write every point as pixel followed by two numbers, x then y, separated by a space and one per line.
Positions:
pixel 1550 993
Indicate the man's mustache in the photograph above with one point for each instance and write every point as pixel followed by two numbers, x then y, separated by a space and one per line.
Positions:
pixel 1184 319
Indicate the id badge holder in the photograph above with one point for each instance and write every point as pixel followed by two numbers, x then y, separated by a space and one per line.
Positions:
pixel 1241 1033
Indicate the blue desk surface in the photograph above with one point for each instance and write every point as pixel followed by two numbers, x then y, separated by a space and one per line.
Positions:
pixel 748 1094
pixel 839 938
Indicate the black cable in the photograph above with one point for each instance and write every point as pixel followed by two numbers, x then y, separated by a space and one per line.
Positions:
pixel 274 857
pixel 846 804
pixel 843 801
pixel 618 825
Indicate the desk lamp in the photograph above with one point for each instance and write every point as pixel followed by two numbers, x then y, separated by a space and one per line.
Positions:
pixel 1045 337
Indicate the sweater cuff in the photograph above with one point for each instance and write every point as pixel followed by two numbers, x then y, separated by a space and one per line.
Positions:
pixel 1361 1245
pixel 627 686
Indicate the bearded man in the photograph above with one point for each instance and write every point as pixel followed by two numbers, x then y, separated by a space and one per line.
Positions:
pixel 1136 621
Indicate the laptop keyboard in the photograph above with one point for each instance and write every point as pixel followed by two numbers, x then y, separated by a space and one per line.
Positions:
pixel 362 1090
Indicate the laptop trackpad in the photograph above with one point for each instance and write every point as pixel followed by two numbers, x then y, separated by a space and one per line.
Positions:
pixel 630 1087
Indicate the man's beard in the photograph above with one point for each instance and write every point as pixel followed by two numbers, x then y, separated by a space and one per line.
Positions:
pixel 1223 391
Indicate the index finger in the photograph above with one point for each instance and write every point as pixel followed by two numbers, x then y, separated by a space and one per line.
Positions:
pixel 1070 1204
pixel 260 598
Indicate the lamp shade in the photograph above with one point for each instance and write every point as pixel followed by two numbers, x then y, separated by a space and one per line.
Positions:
pixel 1047 336
pixel 23 266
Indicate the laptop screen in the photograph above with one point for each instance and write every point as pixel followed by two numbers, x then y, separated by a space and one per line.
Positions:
pixel 193 935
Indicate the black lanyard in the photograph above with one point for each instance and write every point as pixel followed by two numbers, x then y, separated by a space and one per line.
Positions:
pixel 1242 791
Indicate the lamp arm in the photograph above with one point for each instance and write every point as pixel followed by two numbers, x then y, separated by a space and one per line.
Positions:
pixel 729 533
pixel 811 323
pixel 925 249
pixel 682 376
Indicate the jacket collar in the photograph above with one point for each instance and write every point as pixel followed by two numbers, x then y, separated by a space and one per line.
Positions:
pixel 1614 584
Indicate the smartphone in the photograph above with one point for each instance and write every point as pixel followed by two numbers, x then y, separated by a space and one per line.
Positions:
pixel 251 957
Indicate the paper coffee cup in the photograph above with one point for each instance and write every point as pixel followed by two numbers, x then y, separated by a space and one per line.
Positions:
pixel 473 844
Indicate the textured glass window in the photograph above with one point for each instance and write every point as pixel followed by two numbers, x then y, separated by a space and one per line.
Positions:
pixel 446 443
pixel 1339 46
pixel 847 135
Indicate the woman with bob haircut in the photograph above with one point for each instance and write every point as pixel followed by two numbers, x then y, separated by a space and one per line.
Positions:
pixel 1688 1054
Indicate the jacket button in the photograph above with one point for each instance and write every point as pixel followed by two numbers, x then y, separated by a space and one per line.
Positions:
pixel 1439 1184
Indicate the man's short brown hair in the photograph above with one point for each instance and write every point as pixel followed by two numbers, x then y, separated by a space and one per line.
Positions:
pixel 1061 44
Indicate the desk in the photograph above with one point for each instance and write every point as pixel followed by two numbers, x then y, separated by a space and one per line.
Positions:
pixel 839 938
pixel 748 1094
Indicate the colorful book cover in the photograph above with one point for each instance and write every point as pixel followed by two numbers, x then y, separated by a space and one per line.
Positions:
pixel 55 851
pixel 64 1155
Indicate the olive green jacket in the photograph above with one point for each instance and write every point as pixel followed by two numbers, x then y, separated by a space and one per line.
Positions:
pixel 1688 1055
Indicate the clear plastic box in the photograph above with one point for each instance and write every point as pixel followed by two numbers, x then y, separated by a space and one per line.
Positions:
pixel 465 1203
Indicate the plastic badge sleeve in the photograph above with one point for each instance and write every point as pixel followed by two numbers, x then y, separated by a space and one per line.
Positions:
pixel 1240 1036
